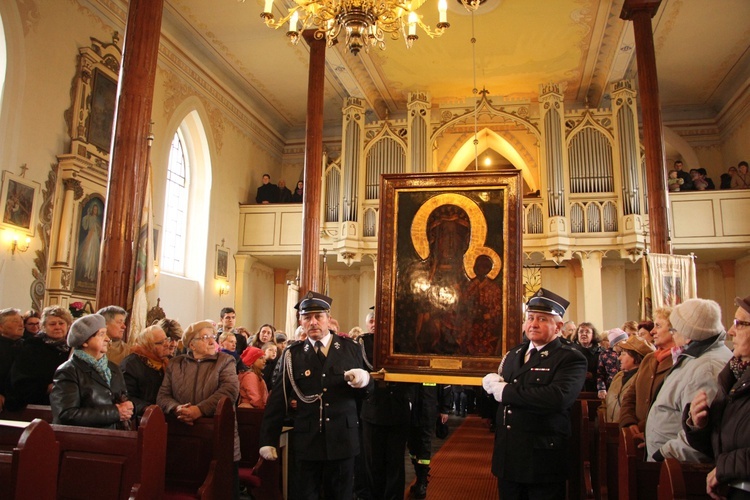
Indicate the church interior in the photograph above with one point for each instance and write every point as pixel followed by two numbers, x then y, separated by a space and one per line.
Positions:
pixel 550 88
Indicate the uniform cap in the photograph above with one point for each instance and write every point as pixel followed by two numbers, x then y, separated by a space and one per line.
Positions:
pixel 314 302
pixel 547 302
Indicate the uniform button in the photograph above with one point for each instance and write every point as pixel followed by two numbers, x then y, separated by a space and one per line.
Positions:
pixel 327 404
pixel 515 380
pixel 328 419
pixel 509 412
pixel 507 426
pixel 324 374
pixel 325 389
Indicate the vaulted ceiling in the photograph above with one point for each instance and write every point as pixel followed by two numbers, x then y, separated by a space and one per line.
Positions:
pixel 702 52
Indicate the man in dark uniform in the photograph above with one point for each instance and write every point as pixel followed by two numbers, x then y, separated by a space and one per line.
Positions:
pixel 385 420
pixel 538 383
pixel 325 375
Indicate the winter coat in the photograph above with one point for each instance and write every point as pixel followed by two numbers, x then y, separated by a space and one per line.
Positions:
pixel 636 400
pixel 143 382
pixel 34 368
pixel 200 382
pixel 613 402
pixel 726 438
pixel 80 396
pixel 696 369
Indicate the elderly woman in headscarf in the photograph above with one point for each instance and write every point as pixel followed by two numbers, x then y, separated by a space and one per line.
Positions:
pixel 144 367
pixel 195 382
pixel 88 389
pixel 632 350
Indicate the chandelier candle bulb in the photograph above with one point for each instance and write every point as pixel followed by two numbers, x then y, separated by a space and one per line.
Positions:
pixel 443 10
pixel 293 21
pixel 412 23
pixel 269 6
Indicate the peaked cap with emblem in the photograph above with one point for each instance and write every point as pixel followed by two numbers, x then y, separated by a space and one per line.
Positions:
pixel 313 302
pixel 547 302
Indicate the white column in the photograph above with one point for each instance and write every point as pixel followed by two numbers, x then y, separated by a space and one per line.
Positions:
pixel 591 266
pixel 72 188
pixel 242 266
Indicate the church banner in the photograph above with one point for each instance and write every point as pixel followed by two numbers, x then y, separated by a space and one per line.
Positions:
pixel 668 280
pixel 449 291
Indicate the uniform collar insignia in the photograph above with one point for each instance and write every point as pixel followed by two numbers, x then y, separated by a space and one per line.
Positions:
pixel 519 350
pixel 337 345
pixel 307 346
pixel 544 354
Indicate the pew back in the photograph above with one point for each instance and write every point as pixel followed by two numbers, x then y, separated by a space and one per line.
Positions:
pixel 107 464
pixel 30 469
pixel 200 457
pixel 683 481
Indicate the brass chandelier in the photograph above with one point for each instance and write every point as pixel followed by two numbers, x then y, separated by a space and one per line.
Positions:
pixel 364 23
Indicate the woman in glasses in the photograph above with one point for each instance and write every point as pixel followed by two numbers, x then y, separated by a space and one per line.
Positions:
pixel 719 428
pixel 195 382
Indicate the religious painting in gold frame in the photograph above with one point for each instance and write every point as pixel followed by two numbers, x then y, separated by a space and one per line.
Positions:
pixel 449 291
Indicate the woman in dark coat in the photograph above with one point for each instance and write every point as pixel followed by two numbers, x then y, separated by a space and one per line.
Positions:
pixel 720 428
pixel 144 367
pixel 586 339
pixel 88 389
pixel 35 365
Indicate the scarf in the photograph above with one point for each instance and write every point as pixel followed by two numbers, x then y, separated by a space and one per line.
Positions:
pixel 662 354
pixel 100 365
pixel 56 344
pixel 738 366
pixel 149 358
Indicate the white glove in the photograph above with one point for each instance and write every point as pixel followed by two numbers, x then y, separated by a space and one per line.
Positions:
pixel 496 389
pixel 357 378
pixel 489 378
pixel 268 453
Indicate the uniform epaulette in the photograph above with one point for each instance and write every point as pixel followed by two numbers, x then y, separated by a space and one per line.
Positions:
pixel 294 343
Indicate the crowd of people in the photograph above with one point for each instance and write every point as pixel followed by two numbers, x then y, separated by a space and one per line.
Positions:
pixel 672 380
pixel 679 387
pixel 697 179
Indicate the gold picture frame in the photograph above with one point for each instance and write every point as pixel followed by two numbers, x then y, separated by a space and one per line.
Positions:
pixel 221 268
pixel 20 203
pixel 449 290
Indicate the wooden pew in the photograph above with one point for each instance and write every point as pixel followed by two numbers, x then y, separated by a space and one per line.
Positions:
pixel 638 480
pixel 683 481
pixel 200 457
pixel 28 413
pixel 580 484
pixel 248 422
pixel 109 464
pixel 30 469
pixel 607 444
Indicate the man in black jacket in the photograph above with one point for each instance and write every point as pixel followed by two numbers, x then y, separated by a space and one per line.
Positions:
pixel 323 376
pixel 538 383
pixel 267 192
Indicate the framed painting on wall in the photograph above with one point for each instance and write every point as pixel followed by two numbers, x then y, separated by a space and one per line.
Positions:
pixel 449 285
pixel 20 203
pixel 222 263
pixel 102 114
pixel 88 245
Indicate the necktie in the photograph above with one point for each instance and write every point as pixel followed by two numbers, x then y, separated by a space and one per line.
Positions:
pixel 319 352
pixel 530 355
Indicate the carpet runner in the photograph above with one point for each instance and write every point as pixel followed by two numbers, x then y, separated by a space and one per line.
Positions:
pixel 461 468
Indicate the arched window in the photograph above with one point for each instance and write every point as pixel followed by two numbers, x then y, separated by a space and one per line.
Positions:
pixel 176 208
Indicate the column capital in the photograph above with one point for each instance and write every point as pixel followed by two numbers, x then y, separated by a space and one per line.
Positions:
pixel 75 186
pixel 632 7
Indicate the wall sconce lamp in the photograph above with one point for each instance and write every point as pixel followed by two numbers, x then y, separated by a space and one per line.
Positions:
pixel 15 246
pixel 223 289
pixel 150 137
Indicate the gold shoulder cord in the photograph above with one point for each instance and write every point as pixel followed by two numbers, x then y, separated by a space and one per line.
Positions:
pixel 364 354
pixel 302 397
